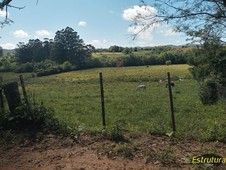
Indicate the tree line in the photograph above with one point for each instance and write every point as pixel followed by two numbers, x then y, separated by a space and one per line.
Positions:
pixel 67 51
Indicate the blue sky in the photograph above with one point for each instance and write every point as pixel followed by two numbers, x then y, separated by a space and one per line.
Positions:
pixel 101 23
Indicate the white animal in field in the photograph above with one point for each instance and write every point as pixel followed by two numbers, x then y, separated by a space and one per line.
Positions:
pixel 141 87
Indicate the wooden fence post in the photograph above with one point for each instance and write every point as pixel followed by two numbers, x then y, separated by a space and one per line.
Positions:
pixel 12 94
pixel 102 100
pixel 1 95
pixel 1 100
pixel 171 103
pixel 24 90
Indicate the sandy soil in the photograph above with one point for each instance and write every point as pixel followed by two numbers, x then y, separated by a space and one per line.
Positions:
pixel 90 153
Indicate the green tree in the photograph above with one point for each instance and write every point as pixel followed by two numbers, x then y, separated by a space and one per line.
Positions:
pixel 126 50
pixel 34 51
pixel 209 69
pixel 115 48
pixel 209 60
pixel 69 47
pixel 23 53
pixel 36 47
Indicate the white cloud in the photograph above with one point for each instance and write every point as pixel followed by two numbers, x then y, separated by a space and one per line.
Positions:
pixel 8 46
pixel 139 12
pixel 168 31
pixel 43 34
pixel 20 34
pixel 82 24
pixel 145 35
pixel 3 13
pixel 143 16
pixel 99 43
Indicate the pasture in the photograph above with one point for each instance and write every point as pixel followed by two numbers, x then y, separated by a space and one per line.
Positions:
pixel 119 54
pixel 75 97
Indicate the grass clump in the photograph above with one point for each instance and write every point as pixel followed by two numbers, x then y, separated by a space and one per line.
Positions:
pixel 117 131
pixel 165 157
pixel 122 149
pixel 217 132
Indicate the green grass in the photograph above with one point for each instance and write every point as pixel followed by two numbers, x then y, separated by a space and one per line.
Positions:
pixel 119 54
pixel 75 97
pixel 107 54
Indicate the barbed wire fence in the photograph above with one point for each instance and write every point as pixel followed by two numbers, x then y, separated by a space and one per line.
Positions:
pixel 81 99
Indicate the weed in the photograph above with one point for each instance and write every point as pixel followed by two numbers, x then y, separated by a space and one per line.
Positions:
pixel 165 157
pixel 217 132
pixel 116 132
pixel 157 129
pixel 122 149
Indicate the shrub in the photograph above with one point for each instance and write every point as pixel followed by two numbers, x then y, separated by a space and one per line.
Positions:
pixel 208 92
pixel 168 62
pixel 6 66
pixel 116 132
pixel 132 60
pixel 67 66
pixel 49 71
pixel 122 149
pixel 29 118
pixel 23 68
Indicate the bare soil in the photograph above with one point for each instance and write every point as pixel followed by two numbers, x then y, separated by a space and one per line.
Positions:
pixel 90 153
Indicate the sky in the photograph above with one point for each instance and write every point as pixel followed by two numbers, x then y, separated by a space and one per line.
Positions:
pixel 101 23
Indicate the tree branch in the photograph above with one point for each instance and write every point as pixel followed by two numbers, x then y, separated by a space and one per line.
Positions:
pixel 4 3
pixel 16 7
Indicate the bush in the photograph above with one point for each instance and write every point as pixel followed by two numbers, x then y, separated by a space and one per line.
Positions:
pixel 23 68
pixel 31 118
pixel 67 66
pixel 6 66
pixel 132 60
pixel 49 71
pixel 208 92
pixel 168 62
pixel 116 131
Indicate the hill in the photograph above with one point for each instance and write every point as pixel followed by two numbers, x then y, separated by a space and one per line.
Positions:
pixel 8 52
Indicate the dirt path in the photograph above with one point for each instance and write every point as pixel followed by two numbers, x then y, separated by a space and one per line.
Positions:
pixel 143 152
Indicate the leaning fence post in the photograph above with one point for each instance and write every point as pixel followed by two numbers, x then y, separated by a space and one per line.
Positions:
pixel 12 94
pixel 102 99
pixel 1 95
pixel 1 100
pixel 171 102
pixel 24 90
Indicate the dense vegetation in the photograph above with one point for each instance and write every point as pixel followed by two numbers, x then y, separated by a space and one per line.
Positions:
pixel 68 52
pixel 119 56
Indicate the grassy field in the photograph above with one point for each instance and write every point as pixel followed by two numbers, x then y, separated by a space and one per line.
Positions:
pixel 75 97
pixel 118 54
